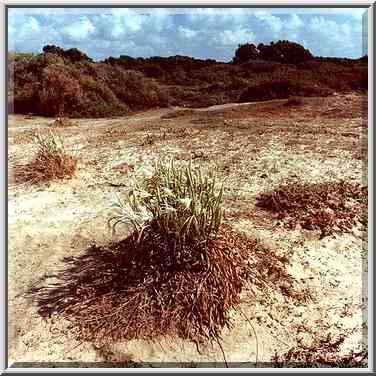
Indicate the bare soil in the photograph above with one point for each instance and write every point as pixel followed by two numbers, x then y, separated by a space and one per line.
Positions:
pixel 257 147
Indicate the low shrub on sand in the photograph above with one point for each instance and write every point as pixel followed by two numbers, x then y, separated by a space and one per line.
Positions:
pixel 329 207
pixel 50 162
pixel 179 273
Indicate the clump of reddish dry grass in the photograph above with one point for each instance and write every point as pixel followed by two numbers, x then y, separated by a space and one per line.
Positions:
pixel 50 162
pixel 329 207
pixel 189 296
pixel 133 290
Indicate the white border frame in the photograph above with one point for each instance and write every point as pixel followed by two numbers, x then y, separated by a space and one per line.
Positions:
pixel 192 3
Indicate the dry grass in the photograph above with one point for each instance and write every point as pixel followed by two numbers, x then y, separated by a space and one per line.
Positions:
pixel 130 290
pixel 141 291
pixel 328 207
pixel 50 162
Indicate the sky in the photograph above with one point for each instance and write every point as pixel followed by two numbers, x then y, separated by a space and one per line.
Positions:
pixel 205 33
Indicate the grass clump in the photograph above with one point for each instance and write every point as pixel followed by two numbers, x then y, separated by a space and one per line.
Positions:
pixel 50 162
pixel 178 274
pixel 179 204
pixel 329 207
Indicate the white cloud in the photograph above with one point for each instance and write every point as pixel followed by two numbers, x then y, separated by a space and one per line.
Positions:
pixel 201 32
pixel 234 37
pixel 271 22
pixel 187 33
pixel 217 17
pixel 329 38
pixel 159 19
pixel 33 24
pixel 79 30
pixel 294 23
pixel 125 20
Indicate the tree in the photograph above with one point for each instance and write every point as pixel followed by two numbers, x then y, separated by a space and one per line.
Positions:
pixel 244 53
pixel 284 51
pixel 52 49
pixel 73 54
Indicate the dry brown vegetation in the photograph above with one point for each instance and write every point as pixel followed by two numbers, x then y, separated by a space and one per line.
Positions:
pixel 328 207
pixel 132 291
pixel 322 352
pixel 50 162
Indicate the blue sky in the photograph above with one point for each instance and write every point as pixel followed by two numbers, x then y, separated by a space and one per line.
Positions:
pixel 199 32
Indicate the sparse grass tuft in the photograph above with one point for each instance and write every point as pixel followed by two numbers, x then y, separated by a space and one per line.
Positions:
pixel 51 162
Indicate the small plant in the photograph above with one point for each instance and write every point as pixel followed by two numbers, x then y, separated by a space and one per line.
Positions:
pixel 51 161
pixel 62 121
pixel 149 140
pixel 178 203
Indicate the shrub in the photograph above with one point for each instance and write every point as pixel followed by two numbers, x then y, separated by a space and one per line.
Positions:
pixel 100 99
pixel 51 162
pixel 75 55
pixel 61 93
pixel 153 286
pixel 178 203
pixel 280 90
pixel 135 90
pixel 329 207
pixel 43 83
pixel 26 98
pixel 41 61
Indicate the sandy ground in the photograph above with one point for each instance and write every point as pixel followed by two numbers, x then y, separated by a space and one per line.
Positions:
pixel 256 147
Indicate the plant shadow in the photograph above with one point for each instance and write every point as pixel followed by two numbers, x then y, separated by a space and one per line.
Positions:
pixel 122 292
pixel 100 269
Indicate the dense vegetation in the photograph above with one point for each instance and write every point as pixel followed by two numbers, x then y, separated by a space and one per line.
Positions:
pixel 68 82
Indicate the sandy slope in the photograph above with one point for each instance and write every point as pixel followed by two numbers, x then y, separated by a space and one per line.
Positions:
pixel 256 147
